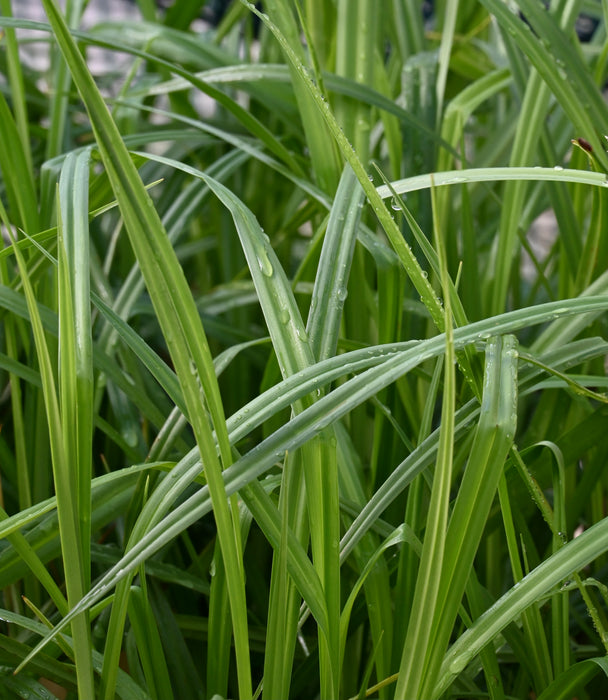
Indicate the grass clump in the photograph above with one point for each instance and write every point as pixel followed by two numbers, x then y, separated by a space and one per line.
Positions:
pixel 294 402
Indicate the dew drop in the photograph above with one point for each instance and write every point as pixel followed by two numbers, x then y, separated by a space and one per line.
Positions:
pixel 129 435
pixel 264 263
pixel 458 665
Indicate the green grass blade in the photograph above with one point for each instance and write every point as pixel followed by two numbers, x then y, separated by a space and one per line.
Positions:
pixel 572 680
pixel 76 370
pixel 329 291
pixel 30 558
pixel 445 49
pixel 460 109
pixel 401 534
pixel 457 177
pixel 17 175
pixel 17 84
pixel 356 42
pixel 494 437
pixel 66 490
pixel 177 316
pixel 164 39
pixel 560 66
pixel 529 130
pixel 293 351
pixel 325 159
pixel 246 75
pixel 62 82
pixel 418 639
pixel 149 645
pixel 541 580
pixel 218 646
pixel 284 595
pixel 324 411
pixel 377 583
pixel 404 252
pixel 560 631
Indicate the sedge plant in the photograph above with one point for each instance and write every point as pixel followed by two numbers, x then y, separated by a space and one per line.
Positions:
pixel 295 400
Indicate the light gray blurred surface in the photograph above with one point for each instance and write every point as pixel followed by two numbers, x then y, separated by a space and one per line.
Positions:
pixel 35 51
